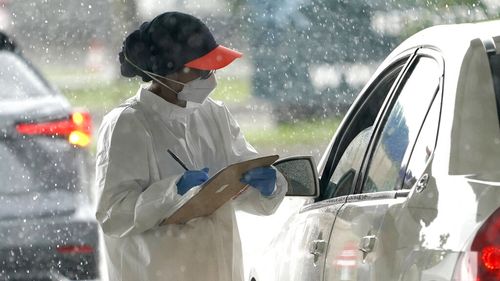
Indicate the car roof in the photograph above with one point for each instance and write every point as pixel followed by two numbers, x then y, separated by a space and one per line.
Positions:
pixel 450 39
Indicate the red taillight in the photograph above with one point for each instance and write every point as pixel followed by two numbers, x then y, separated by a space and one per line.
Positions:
pixel 75 249
pixel 482 263
pixel 77 128
pixel 490 257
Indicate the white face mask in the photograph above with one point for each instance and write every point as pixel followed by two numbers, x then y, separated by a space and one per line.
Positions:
pixel 195 91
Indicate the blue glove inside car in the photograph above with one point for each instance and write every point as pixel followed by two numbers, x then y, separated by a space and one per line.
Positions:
pixel 190 179
pixel 261 178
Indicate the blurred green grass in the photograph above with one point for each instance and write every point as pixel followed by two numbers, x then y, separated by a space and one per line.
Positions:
pixel 102 97
pixel 307 132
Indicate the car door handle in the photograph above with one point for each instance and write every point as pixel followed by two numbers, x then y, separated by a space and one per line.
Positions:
pixel 317 247
pixel 367 243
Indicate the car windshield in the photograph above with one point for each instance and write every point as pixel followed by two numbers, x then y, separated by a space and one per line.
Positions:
pixel 19 80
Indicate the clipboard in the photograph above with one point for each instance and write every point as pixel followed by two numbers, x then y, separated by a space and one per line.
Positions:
pixel 217 190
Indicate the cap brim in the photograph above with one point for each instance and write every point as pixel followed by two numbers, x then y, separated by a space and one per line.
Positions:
pixel 215 59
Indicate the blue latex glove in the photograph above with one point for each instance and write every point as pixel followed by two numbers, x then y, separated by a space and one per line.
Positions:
pixel 190 179
pixel 261 178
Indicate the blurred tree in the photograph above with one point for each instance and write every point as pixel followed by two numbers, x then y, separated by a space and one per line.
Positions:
pixel 124 19
pixel 58 30
pixel 62 33
pixel 433 4
pixel 288 37
pixel 124 15
pixel 445 12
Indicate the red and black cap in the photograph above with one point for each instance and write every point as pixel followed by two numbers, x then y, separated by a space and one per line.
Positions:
pixel 170 42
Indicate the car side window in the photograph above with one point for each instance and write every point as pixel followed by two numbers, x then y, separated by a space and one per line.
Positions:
pixel 402 126
pixel 358 136
pixel 424 147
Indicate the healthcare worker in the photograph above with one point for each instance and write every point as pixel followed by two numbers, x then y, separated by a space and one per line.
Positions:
pixel 139 182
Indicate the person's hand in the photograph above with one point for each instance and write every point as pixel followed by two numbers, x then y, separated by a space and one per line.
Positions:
pixel 261 178
pixel 190 179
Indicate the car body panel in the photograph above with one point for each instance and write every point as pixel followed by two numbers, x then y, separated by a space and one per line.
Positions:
pixel 475 114
pixel 288 256
pixel 316 226
pixel 360 219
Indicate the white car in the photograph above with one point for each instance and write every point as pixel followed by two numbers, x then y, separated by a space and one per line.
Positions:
pixel 410 183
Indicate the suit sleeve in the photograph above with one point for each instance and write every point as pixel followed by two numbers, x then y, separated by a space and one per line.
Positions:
pixel 251 200
pixel 128 202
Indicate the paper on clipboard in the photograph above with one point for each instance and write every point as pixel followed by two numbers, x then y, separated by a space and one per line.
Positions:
pixel 217 190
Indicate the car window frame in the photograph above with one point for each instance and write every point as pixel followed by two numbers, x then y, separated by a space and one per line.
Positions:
pixel 437 98
pixel 344 135
pixel 381 119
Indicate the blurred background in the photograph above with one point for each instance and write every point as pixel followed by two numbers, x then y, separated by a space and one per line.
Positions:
pixel 304 61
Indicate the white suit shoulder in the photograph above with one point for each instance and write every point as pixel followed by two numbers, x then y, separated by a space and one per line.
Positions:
pixel 216 103
pixel 216 106
pixel 123 111
pixel 122 119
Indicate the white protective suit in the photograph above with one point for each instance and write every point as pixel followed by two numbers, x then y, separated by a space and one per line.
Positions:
pixel 136 181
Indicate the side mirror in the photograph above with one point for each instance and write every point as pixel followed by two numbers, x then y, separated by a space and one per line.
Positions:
pixel 301 175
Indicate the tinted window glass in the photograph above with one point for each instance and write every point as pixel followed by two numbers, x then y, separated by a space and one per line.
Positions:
pixel 360 132
pixel 424 147
pixel 402 127
pixel 348 167
pixel 18 79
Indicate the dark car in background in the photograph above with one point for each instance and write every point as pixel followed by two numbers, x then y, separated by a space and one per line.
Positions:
pixel 47 230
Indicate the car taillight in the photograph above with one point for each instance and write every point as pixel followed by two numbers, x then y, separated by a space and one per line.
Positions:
pixel 482 263
pixel 77 128
pixel 75 249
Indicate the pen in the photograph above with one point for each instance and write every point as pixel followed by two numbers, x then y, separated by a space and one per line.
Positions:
pixel 177 159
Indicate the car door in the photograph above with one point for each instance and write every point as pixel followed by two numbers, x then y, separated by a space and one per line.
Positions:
pixel 358 249
pixel 307 234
